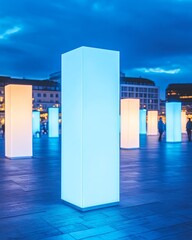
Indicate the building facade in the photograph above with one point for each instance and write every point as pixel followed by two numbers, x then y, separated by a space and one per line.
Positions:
pixel 141 88
pixel 180 92
pixel 47 92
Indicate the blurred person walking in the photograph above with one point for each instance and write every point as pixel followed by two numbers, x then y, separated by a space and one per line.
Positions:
pixel 161 128
pixel 188 129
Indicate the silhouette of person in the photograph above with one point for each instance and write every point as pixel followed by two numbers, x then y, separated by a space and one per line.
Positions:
pixel 161 128
pixel 188 129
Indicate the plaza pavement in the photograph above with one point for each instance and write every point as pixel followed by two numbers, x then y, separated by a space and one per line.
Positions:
pixel 156 196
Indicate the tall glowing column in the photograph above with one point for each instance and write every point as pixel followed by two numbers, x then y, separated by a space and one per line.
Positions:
pixel 18 121
pixel 183 121
pixel 152 122
pixel 173 122
pixel 36 123
pixel 90 128
pixel 142 121
pixel 130 123
pixel 53 122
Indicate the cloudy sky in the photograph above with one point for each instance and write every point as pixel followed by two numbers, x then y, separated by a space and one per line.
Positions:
pixel 154 37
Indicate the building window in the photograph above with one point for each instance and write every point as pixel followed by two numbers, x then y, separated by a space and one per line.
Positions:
pixel 38 94
pixel 51 95
pixel 124 94
pixel 56 95
pixel 131 89
pixel 124 88
pixel 44 95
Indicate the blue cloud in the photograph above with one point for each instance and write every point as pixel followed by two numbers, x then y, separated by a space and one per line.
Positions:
pixel 149 34
pixel 9 31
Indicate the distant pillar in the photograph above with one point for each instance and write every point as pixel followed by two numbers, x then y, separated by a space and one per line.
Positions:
pixel 130 123
pixel 173 122
pixel 36 123
pixel 142 121
pixel 183 122
pixel 53 122
pixel 152 122
pixel 18 121
pixel 90 128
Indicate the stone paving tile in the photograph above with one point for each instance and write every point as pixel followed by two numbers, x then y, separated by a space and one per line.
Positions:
pixel 92 232
pixel 60 237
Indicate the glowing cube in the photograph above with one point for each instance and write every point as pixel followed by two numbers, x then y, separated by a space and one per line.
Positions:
pixel 142 122
pixel 130 123
pixel 152 123
pixel 18 121
pixel 173 122
pixel 90 128
pixel 183 121
pixel 53 122
pixel 36 123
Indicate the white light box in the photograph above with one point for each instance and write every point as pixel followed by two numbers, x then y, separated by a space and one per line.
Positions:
pixel 152 123
pixel 18 121
pixel 36 123
pixel 142 122
pixel 173 122
pixel 183 121
pixel 90 128
pixel 130 123
pixel 53 122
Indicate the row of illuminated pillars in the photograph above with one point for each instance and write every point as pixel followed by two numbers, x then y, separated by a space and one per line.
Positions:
pixel 130 119
pixel 143 115
pixel 90 136
pixel 150 118
pixel 134 121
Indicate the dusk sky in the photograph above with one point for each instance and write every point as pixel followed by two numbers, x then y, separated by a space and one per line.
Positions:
pixel 154 37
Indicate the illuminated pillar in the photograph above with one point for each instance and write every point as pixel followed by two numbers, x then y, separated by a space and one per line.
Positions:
pixel 18 121
pixel 152 122
pixel 90 128
pixel 142 121
pixel 53 122
pixel 183 121
pixel 173 122
pixel 130 123
pixel 36 123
